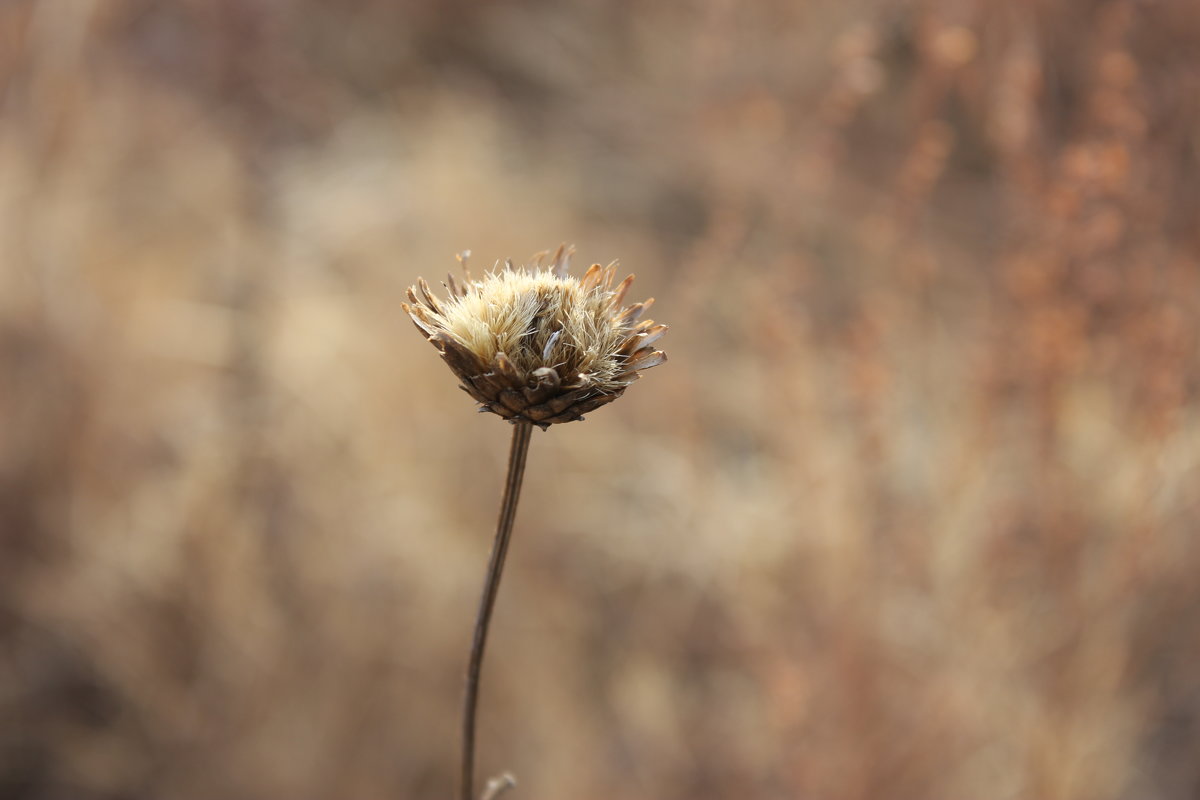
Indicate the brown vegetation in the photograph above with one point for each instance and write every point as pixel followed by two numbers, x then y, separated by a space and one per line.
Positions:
pixel 911 513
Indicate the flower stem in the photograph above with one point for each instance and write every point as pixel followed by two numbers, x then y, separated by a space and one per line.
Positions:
pixel 508 511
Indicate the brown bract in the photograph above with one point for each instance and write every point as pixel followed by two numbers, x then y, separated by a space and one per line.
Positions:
pixel 535 344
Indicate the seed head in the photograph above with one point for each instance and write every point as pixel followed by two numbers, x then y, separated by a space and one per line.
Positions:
pixel 535 344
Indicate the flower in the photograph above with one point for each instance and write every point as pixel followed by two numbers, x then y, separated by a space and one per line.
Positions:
pixel 534 343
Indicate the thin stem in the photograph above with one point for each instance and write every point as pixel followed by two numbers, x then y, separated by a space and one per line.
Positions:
pixel 508 512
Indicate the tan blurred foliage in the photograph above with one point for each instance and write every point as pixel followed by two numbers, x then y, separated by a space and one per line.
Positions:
pixel 911 513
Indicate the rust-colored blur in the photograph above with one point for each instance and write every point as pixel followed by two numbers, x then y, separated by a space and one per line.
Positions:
pixel 910 514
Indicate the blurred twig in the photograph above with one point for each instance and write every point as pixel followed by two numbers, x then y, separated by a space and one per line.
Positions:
pixel 497 786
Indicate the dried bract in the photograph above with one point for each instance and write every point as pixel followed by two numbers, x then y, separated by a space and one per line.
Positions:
pixel 533 343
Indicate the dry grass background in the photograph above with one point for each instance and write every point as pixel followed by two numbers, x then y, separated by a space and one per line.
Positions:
pixel 911 513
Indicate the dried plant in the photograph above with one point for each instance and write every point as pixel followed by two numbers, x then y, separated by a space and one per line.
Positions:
pixel 923 518
pixel 540 346
pixel 537 347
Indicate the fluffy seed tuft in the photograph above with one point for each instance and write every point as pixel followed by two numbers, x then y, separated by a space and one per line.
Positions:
pixel 533 343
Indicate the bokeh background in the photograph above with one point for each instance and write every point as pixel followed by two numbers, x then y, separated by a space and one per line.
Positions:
pixel 911 512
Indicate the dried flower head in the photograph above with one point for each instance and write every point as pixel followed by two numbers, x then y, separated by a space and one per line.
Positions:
pixel 534 343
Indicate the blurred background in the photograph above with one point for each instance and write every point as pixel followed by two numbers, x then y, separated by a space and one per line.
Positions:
pixel 911 512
